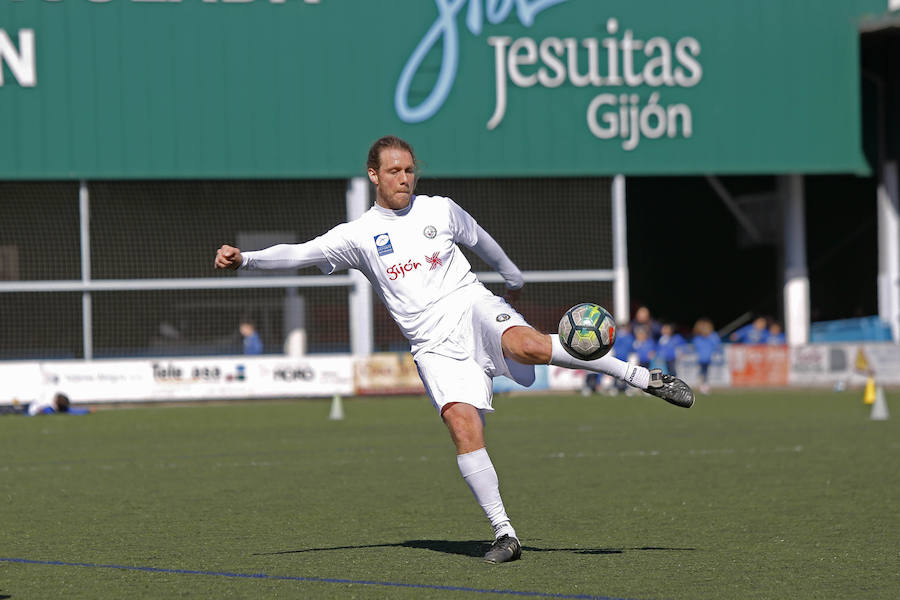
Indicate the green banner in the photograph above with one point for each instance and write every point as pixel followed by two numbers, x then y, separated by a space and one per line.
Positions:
pixel 300 88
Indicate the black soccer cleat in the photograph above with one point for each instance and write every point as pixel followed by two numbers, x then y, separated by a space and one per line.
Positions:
pixel 671 389
pixel 504 549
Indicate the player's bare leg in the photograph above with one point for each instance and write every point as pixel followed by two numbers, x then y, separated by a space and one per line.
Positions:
pixel 466 428
pixel 528 346
pixel 465 425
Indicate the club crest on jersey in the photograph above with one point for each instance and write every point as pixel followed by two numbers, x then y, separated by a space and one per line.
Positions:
pixel 430 232
pixel 383 244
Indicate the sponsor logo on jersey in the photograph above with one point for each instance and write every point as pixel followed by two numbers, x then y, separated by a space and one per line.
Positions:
pixel 502 317
pixel 434 260
pixel 383 244
pixel 430 232
pixel 401 269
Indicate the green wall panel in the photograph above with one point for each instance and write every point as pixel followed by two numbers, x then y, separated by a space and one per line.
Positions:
pixel 263 88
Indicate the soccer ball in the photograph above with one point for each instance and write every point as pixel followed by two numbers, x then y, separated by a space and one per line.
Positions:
pixel 587 331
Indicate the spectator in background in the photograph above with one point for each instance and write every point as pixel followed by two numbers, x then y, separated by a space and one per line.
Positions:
pixel 669 346
pixel 776 335
pixel 706 343
pixel 624 344
pixel 622 347
pixel 643 318
pixel 756 332
pixel 644 346
pixel 252 342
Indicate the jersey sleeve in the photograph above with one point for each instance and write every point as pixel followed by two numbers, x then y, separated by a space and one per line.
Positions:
pixel 286 256
pixel 469 233
pixel 339 249
pixel 462 225
pixel 329 252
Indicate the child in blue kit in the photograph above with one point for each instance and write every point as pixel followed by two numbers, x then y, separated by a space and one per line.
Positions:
pixel 669 346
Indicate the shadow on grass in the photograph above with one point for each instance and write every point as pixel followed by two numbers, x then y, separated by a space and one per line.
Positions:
pixel 475 548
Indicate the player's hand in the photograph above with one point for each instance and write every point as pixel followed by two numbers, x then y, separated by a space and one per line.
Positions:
pixel 228 257
pixel 513 296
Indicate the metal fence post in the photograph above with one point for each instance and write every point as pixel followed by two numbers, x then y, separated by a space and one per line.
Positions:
pixel 87 325
pixel 621 309
pixel 360 298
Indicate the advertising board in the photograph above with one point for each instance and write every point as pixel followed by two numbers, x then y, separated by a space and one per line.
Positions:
pixel 758 365
pixel 185 379
pixel 387 373
pixel 845 364
pixel 291 88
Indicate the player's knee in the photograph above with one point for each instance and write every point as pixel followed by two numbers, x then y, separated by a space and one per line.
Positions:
pixel 465 426
pixel 466 440
pixel 527 346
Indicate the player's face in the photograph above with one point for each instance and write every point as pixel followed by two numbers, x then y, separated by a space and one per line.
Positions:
pixel 395 178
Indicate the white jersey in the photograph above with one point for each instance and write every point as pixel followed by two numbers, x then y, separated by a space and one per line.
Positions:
pixel 412 259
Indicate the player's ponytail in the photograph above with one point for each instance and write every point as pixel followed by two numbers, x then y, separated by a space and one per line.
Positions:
pixel 389 141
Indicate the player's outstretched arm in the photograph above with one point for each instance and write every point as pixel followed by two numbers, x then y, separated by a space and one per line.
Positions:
pixel 280 256
pixel 490 252
pixel 228 257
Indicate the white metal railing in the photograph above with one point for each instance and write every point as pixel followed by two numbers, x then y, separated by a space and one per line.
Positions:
pixel 203 283
pixel 293 281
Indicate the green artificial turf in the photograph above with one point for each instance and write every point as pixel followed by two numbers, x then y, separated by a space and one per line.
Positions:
pixel 763 494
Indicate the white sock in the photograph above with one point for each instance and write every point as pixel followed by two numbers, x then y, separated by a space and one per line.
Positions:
pixel 478 471
pixel 635 375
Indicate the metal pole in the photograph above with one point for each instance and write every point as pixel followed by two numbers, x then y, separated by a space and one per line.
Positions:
pixel 87 326
pixel 360 301
pixel 621 301
pixel 796 278
pixel 889 248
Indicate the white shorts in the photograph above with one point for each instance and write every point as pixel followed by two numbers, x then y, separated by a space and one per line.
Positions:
pixel 462 367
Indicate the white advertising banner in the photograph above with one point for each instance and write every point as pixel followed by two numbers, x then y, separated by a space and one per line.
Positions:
pixel 850 364
pixel 19 381
pixel 812 365
pixel 562 379
pixel 142 380
pixel 688 369
pixel 181 379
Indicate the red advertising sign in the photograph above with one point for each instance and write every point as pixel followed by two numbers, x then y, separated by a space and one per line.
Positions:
pixel 758 365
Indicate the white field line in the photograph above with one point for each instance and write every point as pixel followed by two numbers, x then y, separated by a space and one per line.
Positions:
pixel 689 452
pixel 253 464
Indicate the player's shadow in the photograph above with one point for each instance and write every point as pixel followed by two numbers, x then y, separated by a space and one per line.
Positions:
pixel 475 548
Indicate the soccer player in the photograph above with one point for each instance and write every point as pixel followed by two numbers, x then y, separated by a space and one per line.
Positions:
pixel 50 403
pixel 461 335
